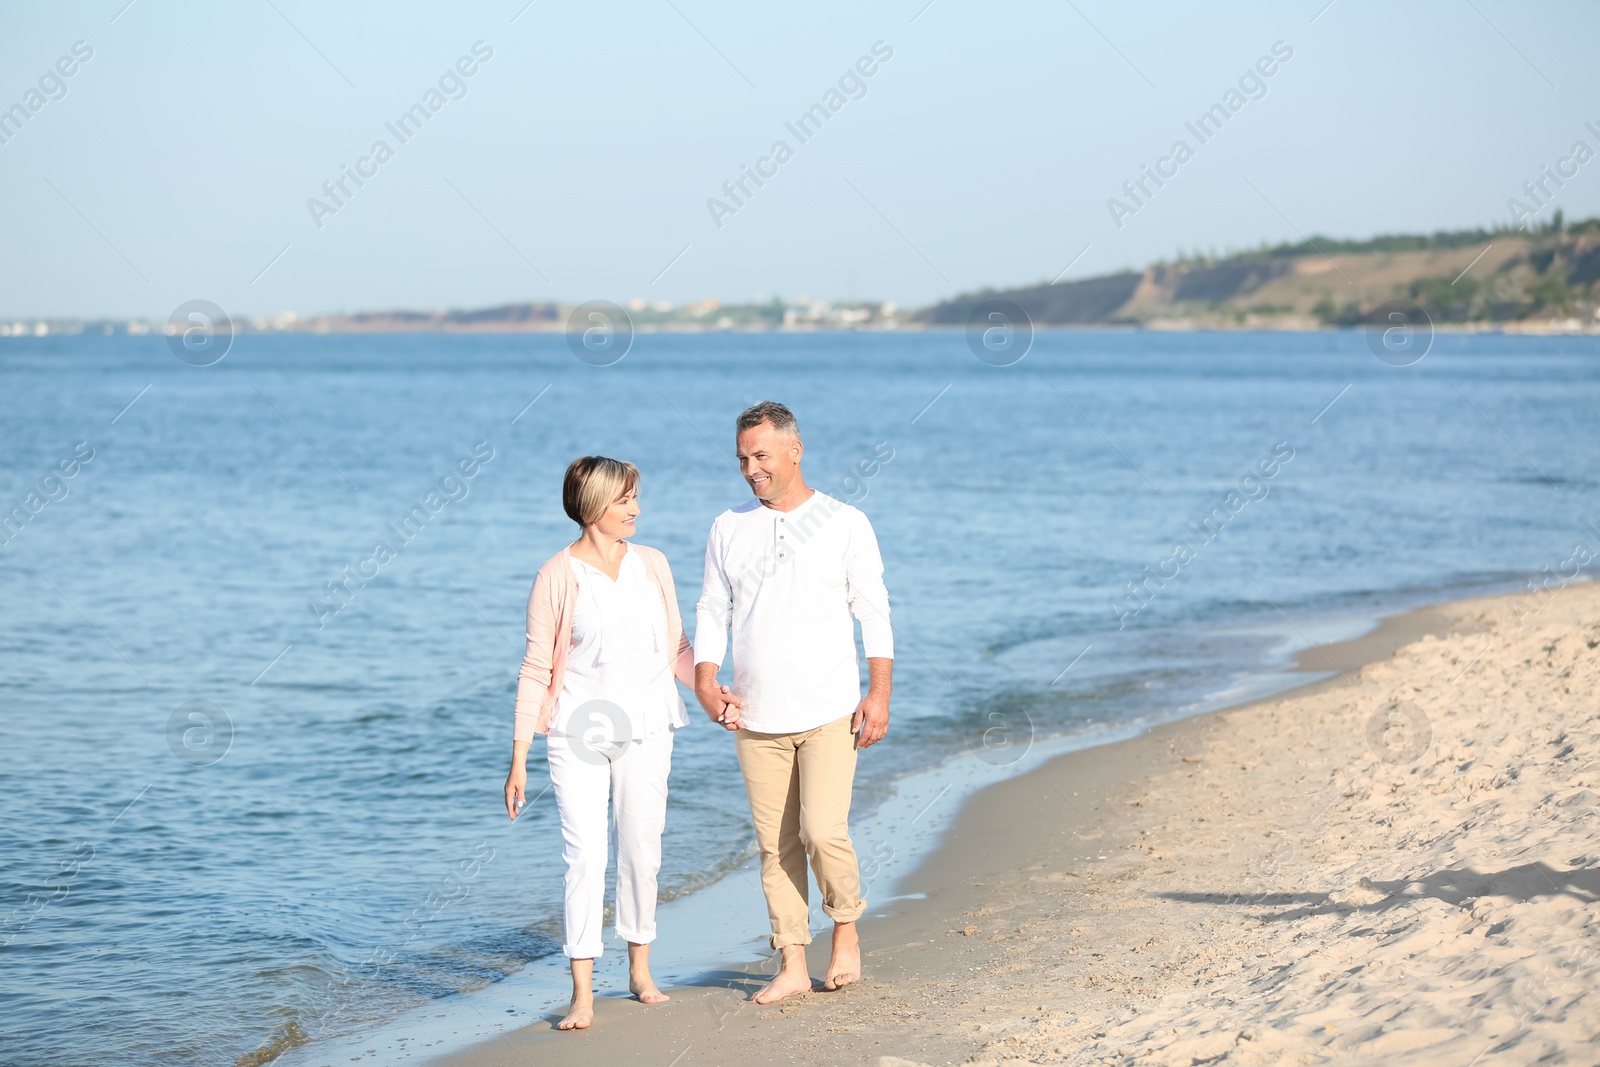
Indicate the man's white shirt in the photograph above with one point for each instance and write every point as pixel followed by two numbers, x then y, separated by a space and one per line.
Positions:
pixel 791 584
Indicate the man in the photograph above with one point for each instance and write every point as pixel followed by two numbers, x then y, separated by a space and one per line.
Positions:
pixel 787 571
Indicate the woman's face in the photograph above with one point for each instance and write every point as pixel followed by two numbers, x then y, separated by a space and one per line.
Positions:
pixel 617 522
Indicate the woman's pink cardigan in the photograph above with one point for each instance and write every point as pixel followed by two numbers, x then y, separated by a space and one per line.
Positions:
pixel 555 589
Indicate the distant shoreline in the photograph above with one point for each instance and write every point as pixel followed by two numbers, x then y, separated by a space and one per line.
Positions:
pixel 1536 328
pixel 1544 281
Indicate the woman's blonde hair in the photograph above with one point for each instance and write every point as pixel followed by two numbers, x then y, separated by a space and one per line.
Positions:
pixel 594 483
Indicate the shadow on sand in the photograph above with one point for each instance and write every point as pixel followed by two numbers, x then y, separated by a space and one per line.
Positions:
pixel 1522 884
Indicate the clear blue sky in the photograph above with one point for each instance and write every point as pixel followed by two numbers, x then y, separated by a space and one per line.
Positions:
pixel 179 163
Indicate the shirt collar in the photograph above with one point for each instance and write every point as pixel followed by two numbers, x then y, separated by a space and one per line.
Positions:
pixel 816 495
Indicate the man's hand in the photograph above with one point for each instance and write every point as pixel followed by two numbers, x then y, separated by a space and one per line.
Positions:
pixel 870 721
pixel 718 700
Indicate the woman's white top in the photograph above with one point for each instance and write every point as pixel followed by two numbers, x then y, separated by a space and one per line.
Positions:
pixel 618 656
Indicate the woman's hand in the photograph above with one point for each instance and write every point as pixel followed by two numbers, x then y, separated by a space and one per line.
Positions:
pixel 516 787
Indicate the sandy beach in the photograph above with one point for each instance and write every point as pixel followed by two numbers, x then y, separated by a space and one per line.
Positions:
pixel 1399 864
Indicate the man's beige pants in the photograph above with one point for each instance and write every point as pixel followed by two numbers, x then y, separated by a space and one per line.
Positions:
pixel 799 787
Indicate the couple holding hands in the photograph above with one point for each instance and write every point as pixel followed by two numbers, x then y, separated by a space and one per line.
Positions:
pixel 788 572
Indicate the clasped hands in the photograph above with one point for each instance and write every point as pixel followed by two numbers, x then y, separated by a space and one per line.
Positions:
pixel 721 704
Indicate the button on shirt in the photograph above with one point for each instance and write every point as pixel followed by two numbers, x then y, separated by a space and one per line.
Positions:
pixel 790 585
pixel 618 654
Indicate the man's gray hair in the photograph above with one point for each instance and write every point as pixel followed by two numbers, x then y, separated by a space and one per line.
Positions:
pixel 782 418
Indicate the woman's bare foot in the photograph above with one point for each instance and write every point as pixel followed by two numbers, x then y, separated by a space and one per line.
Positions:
pixel 845 966
pixel 640 984
pixel 579 1014
pixel 645 990
pixel 793 978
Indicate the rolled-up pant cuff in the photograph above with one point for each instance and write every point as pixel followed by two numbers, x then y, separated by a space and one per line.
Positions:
pixel 845 915
pixel 636 937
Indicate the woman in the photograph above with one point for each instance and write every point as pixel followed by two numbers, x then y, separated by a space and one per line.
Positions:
pixel 605 641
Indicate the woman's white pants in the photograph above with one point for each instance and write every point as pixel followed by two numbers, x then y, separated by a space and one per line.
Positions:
pixel 632 776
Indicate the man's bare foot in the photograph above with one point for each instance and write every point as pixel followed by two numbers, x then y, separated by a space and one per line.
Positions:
pixel 785 985
pixel 579 1015
pixel 645 990
pixel 792 979
pixel 845 966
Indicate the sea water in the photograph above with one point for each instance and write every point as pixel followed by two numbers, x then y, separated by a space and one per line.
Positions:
pixel 259 649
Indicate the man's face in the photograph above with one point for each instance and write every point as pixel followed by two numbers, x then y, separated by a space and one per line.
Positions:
pixel 768 460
